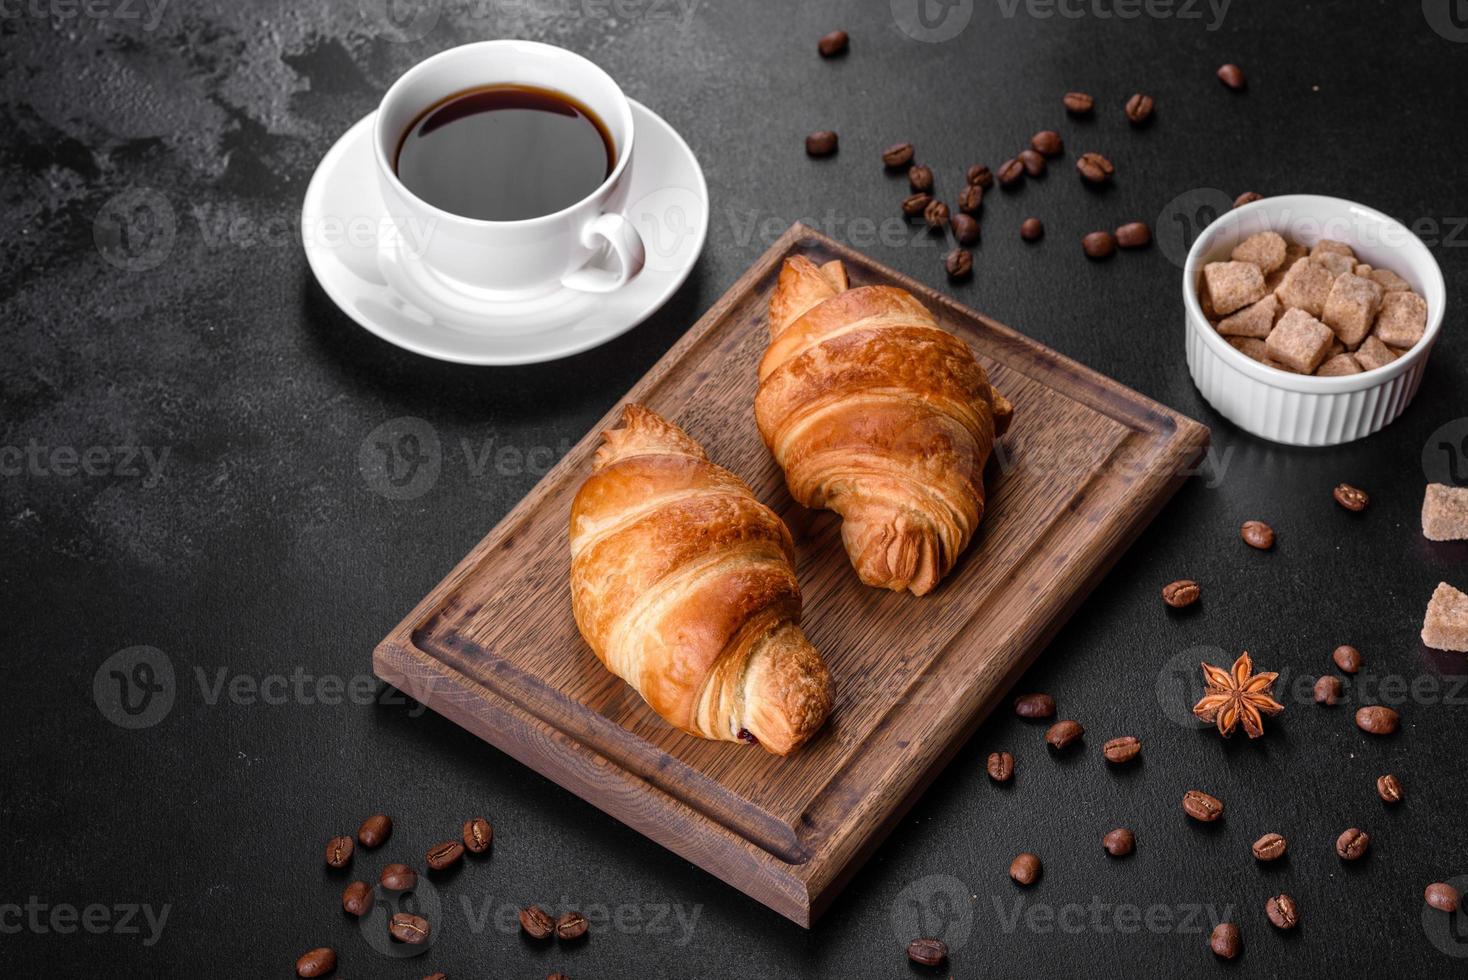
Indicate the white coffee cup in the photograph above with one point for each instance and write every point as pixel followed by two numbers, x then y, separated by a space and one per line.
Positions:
pixel 529 256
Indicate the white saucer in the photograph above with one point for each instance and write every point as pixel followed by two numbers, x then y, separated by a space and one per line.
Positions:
pixel 355 251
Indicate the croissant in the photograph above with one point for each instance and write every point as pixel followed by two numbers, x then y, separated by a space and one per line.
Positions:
pixel 684 586
pixel 879 414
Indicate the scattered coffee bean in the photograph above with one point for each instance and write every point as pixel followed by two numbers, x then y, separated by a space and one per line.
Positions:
pixel 478 835
pixel 971 199
pixel 1025 869
pixel 1134 234
pixel 1032 230
pixel 357 898
pixel 536 922
pixel 1000 767
pixel 556 976
pixel 1225 940
pixel 444 855
pixel 1119 842
pixel 959 263
pixel 832 44
pixel 914 205
pixel 1441 896
pixel 317 962
pixel 1063 734
pixel 1248 197
pixel 979 176
pixel 1184 592
pixel 1098 244
pixel 398 878
pixel 1389 788
pixel 1257 534
pixel 1347 658
pixel 1034 706
pixel 1232 76
pixel 1351 498
pixel 927 952
pixel 1078 103
pixel 1139 108
pixel 339 851
pixel 1270 847
pixel 936 215
pixel 1328 690
pixel 1010 172
pixel 437 976
pixel 1202 807
pixel 375 830
pixel 1123 749
pixel 1352 844
pixel 1033 162
pixel 1376 719
pixel 1048 142
pixel 1095 168
pixel 965 229
pixel 571 926
pixel 1282 911
pixel 920 177
pixel 897 156
pixel 409 928
pixel 821 143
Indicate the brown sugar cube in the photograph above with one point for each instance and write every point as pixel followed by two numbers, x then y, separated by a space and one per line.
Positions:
pixel 1337 263
pixel 1362 269
pixel 1337 366
pixel 1299 341
pixel 1233 285
pixel 1388 280
pixel 1445 513
pixel 1403 319
pixel 1446 625
pixel 1351 308
pixel 1266 250
pixel 1250 347
pixel 1336 347
pixel 1328 245
pixel 1206 304
pixel 1252 321
pixel 1306 286
pixel 1373 354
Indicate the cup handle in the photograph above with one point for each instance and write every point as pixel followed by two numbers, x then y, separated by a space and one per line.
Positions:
pixel 618 232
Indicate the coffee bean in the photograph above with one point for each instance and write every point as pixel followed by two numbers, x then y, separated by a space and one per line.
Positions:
pixel 1095 168
pixel 1032 230
pixel 927 952
pixel 965 229
pixel 536 922
pixel 1347 658
pixel 444 855
pixel 914 205
pixel 1025 869
pixel 897 156
pixel 1048 142
pixel 339 851
pixel 1376 720
pixel 979 176
pixel 556 976
pixel 1184 592
pixel 1123 749
pixel 1010 172
pixel 1248 197
pixel 1119 842
pixel 437 976
pixel 317 962
pixel 970 199
pixel 1134 234
pixel 1282 911
pixel 357 898
pixel 1328 690
pixel 832 44
pixel 1442 896
pixel 398 878
pixel 936 215
pixel 1352 844
pixel 1270 847
pixel 1098 244
pixel 1225 940
pixel 1139 108
pixel 919 177
pixel 478 835
pixel 571 926
pixel 1034 706
pixel 408 928
pixel 1000 767
pixel 1078 103
pixel 1351 498
pixel 1389 788
pixel 1202 807
pixel 959 263
pixel 1033 162
pixel 1064 734
pixel 375 830
pixel 1232 76
pixel 1257 534
pixel 821 143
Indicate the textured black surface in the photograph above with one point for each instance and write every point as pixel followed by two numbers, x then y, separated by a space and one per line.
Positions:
pixel 261 551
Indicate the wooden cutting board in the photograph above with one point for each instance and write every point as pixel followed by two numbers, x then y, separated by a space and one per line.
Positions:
pixel 494 647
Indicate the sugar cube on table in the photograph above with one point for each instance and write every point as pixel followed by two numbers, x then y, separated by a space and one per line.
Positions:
pixel 1445 513
pixel 1299 341
pixel 1266 250
pixel 1403 319
pixel 1252 321
pixel 1233 285
pixel 1337 366
pixel 1351 308
pixel 1373 354
pixel 1445 627
pixel 1388 280
pixel 1337 263
pixel 1306 286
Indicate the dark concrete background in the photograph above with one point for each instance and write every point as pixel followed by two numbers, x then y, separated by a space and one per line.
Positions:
pixel 258 552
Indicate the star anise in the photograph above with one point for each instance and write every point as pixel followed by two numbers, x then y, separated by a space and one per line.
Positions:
pixel 1237 695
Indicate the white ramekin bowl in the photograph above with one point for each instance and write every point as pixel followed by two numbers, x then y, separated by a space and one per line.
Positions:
pixel 1303 410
